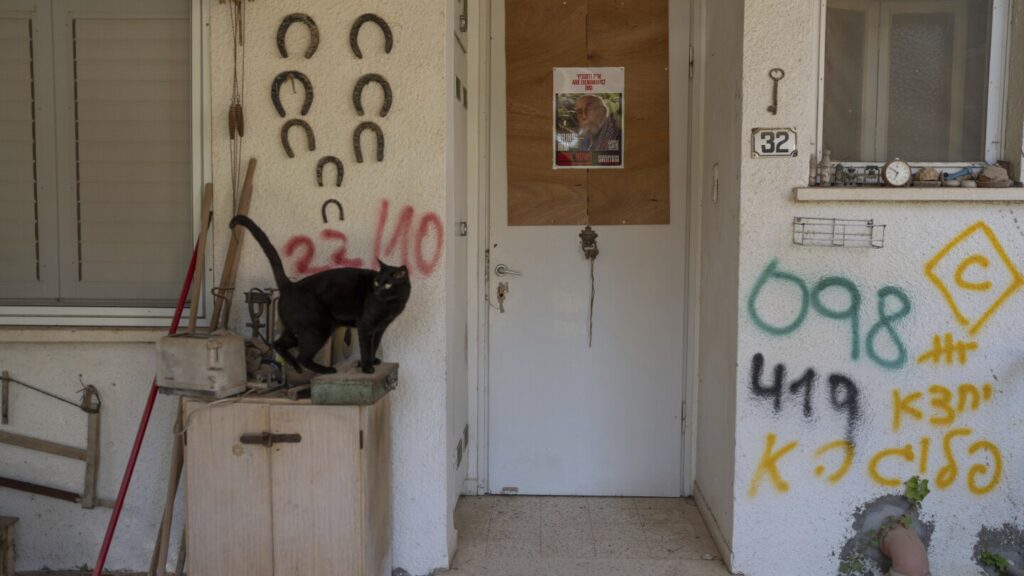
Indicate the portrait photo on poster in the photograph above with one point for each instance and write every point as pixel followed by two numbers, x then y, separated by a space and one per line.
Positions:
pixel 589 107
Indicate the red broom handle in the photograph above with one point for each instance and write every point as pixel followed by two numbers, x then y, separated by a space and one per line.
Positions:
pixel 127 478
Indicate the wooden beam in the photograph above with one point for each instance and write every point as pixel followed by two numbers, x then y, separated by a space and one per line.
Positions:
pixel 42 445
pixel 222 300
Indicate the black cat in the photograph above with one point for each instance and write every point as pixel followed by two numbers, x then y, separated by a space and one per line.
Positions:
pixel 314 307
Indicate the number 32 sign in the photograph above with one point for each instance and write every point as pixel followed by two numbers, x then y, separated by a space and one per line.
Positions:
pixel 773 143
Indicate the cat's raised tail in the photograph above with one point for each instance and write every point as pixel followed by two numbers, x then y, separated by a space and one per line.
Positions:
pixel 268 248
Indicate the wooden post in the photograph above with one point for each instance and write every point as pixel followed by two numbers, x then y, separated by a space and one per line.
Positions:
pixel 222 301
pixel 92 449
pixel 7 545
pixel 158 563
pixel 5 398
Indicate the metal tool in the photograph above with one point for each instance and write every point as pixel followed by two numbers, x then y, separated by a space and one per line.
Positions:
pixel 776 74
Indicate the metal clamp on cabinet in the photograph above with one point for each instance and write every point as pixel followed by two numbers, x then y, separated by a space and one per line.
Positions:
pixel 268 439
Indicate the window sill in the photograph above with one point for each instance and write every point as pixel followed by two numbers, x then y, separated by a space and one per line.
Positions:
pixel 920 194
pixel 71 335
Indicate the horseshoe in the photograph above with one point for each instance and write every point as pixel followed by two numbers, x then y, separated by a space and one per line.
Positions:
pixel 353 37
pixel 320 170
pixel 282 31
pixel 357 94
pixel 358 145
pixel 307 87
pixel 323 210
pixel 309 135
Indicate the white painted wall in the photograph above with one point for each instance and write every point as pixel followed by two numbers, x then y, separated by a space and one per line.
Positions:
pixel 800 527
pixel 719 128
pixel 286 203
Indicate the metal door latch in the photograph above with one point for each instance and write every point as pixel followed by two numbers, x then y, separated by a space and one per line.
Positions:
pixel 268 439
pixel 502 293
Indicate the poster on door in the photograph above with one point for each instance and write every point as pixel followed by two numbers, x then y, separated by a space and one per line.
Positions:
pixel 588 114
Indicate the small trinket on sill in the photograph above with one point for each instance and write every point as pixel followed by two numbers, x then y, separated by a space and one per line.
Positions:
pixel 825 168
pixel 994 176
pixel 927 176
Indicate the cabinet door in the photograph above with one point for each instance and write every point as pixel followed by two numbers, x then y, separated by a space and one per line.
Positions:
pixel 316 492
pixel 228 492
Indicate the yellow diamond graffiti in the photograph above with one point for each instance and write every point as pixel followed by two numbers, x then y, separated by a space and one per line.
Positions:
pixel 974 275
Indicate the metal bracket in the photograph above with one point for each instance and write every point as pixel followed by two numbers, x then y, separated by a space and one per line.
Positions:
pixel 356 137
pixel 282 31
pixel 320 170
pixel 357 94
pixel 310 140
pixel 275 90
pixel 353 37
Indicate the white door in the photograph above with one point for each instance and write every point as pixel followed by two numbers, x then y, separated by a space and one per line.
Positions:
pixel 565 418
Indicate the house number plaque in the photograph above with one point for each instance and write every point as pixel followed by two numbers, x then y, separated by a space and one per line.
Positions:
pixel 773 143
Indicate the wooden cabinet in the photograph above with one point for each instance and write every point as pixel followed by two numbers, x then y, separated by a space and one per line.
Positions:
pixel 313 500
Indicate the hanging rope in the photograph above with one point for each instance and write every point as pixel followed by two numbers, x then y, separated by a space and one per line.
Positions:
pixel 236 114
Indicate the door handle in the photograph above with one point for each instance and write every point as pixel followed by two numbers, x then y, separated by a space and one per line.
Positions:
pixel 268 439
pixel 502 270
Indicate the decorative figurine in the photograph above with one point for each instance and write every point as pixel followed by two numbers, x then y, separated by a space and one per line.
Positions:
pixel 825 168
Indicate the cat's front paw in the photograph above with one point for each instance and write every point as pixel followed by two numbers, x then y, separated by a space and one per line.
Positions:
pixel 368 369
pixel 376 361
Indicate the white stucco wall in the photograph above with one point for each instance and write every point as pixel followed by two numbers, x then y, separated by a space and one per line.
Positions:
pixel 799 524
pixel 410 183
pixel 720 205
pixel 287 203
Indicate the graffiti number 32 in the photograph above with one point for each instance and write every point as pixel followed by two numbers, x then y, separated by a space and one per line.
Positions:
pixel 813 298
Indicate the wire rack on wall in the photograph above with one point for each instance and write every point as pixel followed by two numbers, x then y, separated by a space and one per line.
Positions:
pixel 838 232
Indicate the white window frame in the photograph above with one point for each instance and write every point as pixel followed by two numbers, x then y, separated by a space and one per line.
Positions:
pixel 144 316
pixel 996 107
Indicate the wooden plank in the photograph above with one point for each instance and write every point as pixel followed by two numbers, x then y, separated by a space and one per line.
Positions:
pixel 125 154
pixel 12 112
pixel 130 192
pixel 227 492
pixel 317 512
pixel 157 252
pixel 12 71
pixel 92 450
pixel 17 152
pixel 881 194
pixel 376 477
pixel 17 172
pixel 7 545
pixel 17 231
pixel 15 131
pixel 132 50
pixel 42 445
pixel 14 28
pixel 15 49
pixel 634 35
pixel 540 35
pixel 18 271
pixel 222 305
pixel 138 273
pixel 17 212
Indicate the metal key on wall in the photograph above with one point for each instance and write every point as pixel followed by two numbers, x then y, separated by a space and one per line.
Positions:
pixel 776 74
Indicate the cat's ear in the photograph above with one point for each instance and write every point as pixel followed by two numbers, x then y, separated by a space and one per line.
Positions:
pixel 383 266
pixel 402 272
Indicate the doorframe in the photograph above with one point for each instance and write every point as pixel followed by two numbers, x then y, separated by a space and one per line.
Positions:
pixel 478 208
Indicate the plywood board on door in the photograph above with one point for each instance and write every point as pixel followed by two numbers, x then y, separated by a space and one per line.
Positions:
pixel 541 35
pixel 634 34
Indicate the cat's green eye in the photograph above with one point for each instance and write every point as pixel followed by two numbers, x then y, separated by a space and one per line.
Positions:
pixel 388 285
pixel 375 283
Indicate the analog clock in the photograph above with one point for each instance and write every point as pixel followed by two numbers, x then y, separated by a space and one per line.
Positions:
pixel 896 173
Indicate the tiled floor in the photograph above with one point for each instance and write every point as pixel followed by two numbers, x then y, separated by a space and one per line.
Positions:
pixel 556 536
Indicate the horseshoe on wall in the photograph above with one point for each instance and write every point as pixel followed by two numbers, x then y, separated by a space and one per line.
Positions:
pixel 320 170
pixel 307 87
pixel 353 37
pixel 357 94
pixel 358 145
pixel 309 135
pixel 323 210
pixel 282 31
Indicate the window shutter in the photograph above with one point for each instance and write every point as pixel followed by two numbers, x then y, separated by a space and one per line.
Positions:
pixel 126 210
pixel 27 258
